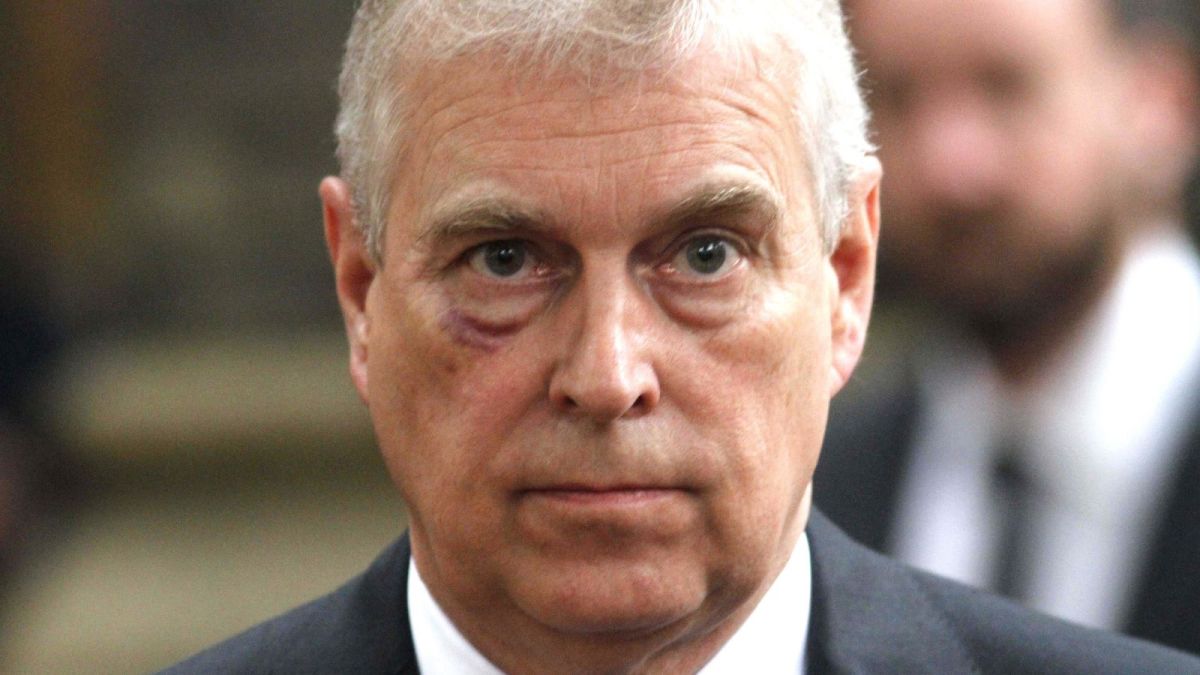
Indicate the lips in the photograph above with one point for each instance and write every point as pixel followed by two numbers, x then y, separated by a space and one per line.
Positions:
pixel 588 519
pixel 585 495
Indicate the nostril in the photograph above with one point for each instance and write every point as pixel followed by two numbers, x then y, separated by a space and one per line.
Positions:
pixel 603 384
pixel 608 408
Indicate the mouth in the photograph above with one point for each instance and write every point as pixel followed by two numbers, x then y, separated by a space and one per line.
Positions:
pixel 603 496
pixel 588 519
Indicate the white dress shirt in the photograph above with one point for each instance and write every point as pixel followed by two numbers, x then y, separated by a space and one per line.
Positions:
pixel 1100 433
pixel 773 639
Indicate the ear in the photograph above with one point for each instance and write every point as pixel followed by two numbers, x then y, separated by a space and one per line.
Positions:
pixel 353 270
pixel 852 265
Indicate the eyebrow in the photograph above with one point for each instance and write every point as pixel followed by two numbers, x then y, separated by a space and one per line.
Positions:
pixel 716 201
pixel 482 214
pixel 709 202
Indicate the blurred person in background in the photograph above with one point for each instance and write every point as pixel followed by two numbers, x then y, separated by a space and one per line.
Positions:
pixel 1037 429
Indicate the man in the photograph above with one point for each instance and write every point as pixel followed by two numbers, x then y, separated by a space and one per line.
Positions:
pixel 1041 433
pixel 602 266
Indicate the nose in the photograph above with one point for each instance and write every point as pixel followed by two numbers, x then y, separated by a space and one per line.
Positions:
pixel 605 372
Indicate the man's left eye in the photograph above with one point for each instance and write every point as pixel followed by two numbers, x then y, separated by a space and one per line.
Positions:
pixel 706 256
pixel 507 259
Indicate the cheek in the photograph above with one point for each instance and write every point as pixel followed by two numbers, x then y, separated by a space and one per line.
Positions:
pixel 771 399
pixel 445 395
pixel 774 384
pixel 417 377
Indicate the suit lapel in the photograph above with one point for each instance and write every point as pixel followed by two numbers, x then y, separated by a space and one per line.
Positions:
pixel 869 615
pixel 380 616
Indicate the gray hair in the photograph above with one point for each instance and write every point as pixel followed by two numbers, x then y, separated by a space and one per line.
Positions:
pixel 390 39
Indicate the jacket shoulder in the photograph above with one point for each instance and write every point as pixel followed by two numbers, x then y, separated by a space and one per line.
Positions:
pixel 1006 637
pixel 873 614
pixel 361 627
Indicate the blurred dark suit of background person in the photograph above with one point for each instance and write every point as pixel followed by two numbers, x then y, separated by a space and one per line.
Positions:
pixel 167 321
pixel 1027 417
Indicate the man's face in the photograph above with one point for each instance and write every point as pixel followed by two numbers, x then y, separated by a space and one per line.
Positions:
pixel 998 121
pixel 600 348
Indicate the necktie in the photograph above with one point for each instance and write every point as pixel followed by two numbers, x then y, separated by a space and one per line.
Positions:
pixel 1012 493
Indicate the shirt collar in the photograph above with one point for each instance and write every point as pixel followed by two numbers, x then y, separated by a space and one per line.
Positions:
pixel 441 649
pixel 774 638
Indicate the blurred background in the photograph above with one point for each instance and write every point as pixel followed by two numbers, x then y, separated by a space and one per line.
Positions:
pixel 181 451
pixel 1026 417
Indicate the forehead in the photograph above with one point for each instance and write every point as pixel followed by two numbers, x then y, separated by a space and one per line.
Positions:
pixel 570 143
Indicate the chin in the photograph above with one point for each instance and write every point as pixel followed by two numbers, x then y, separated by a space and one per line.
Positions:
pixel 626 602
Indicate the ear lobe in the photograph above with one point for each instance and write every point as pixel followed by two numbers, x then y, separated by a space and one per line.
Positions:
pixel 853 264
pixel 354 272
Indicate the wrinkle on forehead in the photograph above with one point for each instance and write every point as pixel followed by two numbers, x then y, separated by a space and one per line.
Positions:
pixel 469 116
pixel 447 89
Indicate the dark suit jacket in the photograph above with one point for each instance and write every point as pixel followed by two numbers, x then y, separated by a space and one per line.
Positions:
pixel 869 615
pixel 866 453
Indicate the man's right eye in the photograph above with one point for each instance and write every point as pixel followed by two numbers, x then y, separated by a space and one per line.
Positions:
pixel 508 259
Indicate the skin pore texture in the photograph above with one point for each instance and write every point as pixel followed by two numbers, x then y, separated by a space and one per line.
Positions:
pixel 599 351
pixel 1003 124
